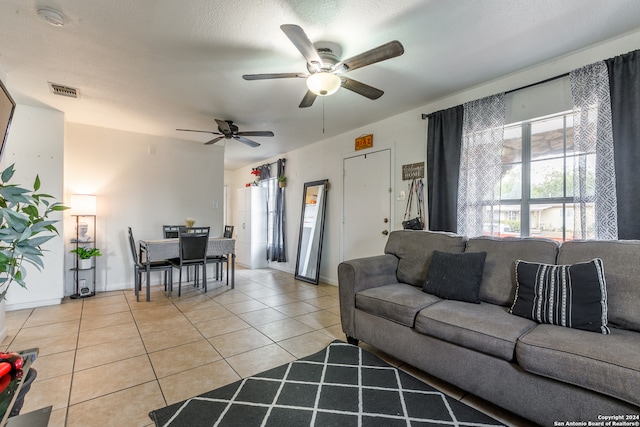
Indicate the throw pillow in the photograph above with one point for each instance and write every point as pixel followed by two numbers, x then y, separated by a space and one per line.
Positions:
pixel 574 296
pixel 455 276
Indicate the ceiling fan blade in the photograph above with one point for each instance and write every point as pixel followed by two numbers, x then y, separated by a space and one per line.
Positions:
pixel 274 76
pixel 308 99
pixel 247 141
pixel 377 54
pixel 361 88
pixel 224 127
pixel 203 131
pixel 214 140
pixel 302 43
pixel 256 133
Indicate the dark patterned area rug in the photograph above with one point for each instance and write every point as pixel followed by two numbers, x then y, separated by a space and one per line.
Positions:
pixel 341 385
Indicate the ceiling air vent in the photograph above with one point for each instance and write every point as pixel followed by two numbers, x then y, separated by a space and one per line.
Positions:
pixel 62 90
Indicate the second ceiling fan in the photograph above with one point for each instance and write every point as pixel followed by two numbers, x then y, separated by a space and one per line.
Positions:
pixel 228 130
pixel 326 70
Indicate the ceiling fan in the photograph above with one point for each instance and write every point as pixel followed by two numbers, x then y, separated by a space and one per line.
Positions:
pixel 326 69
pixel 228 130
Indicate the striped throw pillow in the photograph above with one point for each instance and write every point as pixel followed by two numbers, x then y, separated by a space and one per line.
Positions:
pixel 574 296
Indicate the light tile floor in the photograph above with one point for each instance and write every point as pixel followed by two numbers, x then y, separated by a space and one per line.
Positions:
pixel 109 360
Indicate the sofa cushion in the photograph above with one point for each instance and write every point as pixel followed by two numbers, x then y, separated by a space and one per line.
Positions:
pixel 498 280
pixel 455 276
pixel 607 364
pixel 573 296
pixel 482 327
pixel 414 249
pixel 398 302
pixel 622 272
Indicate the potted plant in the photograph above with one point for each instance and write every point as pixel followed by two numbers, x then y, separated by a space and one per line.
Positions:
pixel 85 255
pixel 24 228
pixel 282 181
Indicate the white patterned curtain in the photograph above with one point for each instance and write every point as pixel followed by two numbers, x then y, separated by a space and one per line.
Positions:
pixel 480 165
pixel 594 177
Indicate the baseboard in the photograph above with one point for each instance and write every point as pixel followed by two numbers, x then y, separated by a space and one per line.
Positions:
pixel 34 304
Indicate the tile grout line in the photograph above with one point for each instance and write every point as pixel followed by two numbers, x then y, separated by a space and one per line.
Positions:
pixel 73 365
pixel 146 352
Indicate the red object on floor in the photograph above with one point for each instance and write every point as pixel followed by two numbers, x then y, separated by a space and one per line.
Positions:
pixel 4 382
pixel 15 359
pixel 5 368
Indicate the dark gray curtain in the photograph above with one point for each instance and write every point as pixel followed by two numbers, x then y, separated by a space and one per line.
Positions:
pixel 444 140
pixel 624 84
pixel 265 172
pixel 277 251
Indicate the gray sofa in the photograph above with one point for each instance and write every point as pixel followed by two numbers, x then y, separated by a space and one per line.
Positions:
pixel 542 372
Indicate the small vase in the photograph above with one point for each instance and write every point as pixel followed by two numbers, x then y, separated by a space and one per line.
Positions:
pixel 84 264
pixel 282 184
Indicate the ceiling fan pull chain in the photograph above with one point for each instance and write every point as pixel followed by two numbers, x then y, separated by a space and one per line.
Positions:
pixel 323 114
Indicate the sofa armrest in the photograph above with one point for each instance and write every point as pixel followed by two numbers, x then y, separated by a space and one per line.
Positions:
pixel 357 275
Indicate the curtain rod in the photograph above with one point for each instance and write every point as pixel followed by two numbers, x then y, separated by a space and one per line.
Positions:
pixel 550 79
pixel 272 163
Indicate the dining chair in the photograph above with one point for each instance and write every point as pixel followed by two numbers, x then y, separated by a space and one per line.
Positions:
pixel 140 267
pixel 170 231
pixel 193 243
pixel 219 259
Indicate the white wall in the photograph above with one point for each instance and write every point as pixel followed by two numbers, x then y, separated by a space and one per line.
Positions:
pixel 141 181
pixel 35 145
pixel 407 133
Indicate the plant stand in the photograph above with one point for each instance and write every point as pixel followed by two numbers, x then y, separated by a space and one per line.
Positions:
pixel 84 271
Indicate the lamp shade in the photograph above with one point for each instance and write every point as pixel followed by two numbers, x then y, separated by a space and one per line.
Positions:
pixel 323 84
pixel 83 204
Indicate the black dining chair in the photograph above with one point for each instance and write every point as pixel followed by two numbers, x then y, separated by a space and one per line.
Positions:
pixel 193 251
pixel 219 259
pixel 170 231
pixel 140 267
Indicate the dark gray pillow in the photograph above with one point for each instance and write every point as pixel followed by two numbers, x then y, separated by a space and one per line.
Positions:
pixel 574 296
pixel 455 276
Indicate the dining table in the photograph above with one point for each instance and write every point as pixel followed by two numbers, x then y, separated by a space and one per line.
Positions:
pixel 163 249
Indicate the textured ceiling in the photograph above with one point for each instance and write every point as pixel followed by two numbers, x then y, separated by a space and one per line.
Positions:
pixel 152 66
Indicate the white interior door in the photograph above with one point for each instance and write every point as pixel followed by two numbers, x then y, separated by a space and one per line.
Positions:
pixel 367 204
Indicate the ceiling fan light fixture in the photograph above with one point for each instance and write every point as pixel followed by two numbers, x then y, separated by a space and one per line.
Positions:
pixel 51 16
pixel 323 83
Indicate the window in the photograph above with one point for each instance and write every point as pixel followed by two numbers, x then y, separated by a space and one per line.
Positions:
pixel 272 187
pixel 536 186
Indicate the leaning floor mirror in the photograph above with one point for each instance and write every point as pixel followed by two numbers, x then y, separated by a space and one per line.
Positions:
pixel 314 203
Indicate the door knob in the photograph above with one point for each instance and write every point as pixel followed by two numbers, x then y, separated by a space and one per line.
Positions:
pixel 385 232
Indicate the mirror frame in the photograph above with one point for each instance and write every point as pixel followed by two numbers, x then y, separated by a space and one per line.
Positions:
pixel 319 226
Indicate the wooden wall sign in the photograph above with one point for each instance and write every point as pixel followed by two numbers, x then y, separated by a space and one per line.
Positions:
pixel 413 171
pixel 365 141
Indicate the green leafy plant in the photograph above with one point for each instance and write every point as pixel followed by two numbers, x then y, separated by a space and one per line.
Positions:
pixel 282 178
pixel 86 253
pixel 24 228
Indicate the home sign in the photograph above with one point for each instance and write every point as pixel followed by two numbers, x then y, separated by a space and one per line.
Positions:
pixel 413 171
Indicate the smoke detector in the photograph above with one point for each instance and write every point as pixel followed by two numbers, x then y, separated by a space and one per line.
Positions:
pixel 51 16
